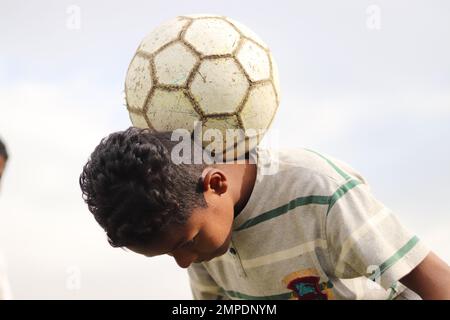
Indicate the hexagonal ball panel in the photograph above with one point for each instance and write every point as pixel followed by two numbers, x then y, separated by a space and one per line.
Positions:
pixel 165 33
pixel 221 124
pixel 174 64
pixel 219 86
pixel 246 32
pixel 138 82
pixel 275 77
pixel 222 145
pixel 170 110
pixel 212 36
pixel 138 120
pixel 259 108
pixel 254 60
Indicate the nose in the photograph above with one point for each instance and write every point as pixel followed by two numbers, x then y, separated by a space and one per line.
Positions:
pixel 184 260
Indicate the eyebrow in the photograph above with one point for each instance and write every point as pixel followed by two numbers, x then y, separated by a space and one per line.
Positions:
pixel 182 242
pixel 179 244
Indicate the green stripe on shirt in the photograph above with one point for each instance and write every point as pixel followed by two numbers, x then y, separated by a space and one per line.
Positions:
pixel 239 295
pixel 395 257
pixel 341 192
pixel 335 167
pixel 301 201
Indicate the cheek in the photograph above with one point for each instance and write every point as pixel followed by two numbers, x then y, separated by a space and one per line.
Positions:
pixel 217 229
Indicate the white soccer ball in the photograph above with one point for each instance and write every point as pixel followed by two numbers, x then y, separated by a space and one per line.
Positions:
pixel 203 70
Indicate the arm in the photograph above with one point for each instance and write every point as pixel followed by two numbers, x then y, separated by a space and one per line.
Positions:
pixel 430 279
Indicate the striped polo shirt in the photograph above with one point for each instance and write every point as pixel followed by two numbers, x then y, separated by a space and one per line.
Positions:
pixel 311 229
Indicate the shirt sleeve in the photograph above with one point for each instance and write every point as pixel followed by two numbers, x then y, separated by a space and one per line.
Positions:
pixel 366 239
pixel 203 286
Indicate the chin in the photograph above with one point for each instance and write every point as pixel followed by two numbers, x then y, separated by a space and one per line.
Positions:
pixel 222 249
pixel 219 252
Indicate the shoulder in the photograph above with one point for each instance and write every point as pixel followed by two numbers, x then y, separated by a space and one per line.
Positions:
pixel 307 163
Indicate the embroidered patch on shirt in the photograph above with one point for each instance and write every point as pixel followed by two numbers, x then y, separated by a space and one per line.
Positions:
pixel 306 285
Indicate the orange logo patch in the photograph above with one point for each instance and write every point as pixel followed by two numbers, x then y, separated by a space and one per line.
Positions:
pixel 306 285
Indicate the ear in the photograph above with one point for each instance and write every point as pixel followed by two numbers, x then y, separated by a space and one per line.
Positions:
pixel 214 180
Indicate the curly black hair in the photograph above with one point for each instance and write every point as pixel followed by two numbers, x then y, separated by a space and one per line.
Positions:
pixel 3 151
pixel 134 190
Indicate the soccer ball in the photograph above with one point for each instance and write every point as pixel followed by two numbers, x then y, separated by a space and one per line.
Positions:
pixel 204 70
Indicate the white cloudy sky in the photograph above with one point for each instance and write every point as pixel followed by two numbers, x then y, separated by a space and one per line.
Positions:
pixel 377 99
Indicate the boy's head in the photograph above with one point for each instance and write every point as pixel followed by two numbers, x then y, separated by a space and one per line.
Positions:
pixel 152 206
pixel 3 158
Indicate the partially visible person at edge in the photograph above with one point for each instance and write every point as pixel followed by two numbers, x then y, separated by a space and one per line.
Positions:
pixel 5 291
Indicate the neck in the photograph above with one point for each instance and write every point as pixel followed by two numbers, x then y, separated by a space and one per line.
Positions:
pixel 241 180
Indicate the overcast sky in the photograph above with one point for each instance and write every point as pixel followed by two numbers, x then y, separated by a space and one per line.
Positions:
pixel 373 93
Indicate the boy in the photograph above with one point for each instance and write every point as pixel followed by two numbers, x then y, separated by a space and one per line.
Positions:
pixel 309 230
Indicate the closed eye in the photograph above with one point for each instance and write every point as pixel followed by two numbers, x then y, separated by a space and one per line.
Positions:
pixel 190 242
